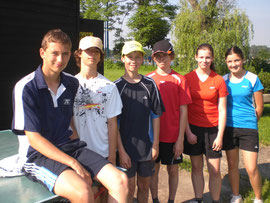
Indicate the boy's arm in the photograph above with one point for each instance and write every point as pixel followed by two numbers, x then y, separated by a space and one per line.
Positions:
pixel 155 147
pixel 74 134
pixel 124 159
pixel 45 147
pixel 179 145
pixel 112 134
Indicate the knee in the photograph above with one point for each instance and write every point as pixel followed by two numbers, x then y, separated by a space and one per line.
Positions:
pixel 143 187
pixel 232 165
pixel 121 183
pixel 252 171
pixel 173 170
pixel 84 193
pixel 197 169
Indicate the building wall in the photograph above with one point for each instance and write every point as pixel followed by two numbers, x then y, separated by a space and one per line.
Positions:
pixel 23 24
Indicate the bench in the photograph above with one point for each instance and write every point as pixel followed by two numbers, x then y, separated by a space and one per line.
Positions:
pixel 21 189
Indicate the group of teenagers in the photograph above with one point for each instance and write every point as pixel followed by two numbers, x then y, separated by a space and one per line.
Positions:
pixel 81 127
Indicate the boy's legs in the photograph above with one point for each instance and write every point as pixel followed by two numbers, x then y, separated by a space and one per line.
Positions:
pixel 154 182
pixel 131 189
pixel 173 180
pixel 115 181
pixel 72 187
pixel 143 188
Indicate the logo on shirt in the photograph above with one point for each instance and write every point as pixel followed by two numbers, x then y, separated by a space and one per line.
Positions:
pixel 244 86
pixel 211 88
pixel 145 97
pixel 66 101
pixel 162 81
pixel 256 147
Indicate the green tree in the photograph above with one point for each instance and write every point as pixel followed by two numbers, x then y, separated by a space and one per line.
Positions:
pixel 107 10
pixel 217 22
pixel 151 21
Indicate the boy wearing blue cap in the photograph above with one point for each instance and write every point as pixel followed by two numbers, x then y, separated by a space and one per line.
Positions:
pixel 140 98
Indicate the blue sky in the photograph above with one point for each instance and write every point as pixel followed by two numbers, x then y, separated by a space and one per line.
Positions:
pixel 258 12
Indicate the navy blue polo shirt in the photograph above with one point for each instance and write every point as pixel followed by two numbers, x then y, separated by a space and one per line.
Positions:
pixel 36 109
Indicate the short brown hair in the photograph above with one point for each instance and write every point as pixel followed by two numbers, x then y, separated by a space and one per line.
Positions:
pixel 56 35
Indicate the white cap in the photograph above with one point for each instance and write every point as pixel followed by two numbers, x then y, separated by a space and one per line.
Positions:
pixel 91 41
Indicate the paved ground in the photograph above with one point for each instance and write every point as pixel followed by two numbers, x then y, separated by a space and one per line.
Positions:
pixel 185 190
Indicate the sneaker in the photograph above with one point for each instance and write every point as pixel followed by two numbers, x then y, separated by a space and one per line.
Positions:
pixel 236 199
pixel 257 201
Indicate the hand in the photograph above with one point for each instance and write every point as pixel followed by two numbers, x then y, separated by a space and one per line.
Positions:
pixel 217 144
pixel 155 152
pixel 178 148
pixel 81 171
pixel 191 138
pixel 124 159
pixel 112 160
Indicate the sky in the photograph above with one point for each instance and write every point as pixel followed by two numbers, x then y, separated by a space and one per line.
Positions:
pixel 258 12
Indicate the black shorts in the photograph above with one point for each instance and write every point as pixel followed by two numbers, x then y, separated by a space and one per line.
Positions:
pixel 166 154
pixel 39 168
pixel 205 139
pixel 244 138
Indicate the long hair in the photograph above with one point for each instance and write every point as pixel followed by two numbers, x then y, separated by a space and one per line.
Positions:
pixel 210 48
pixel 234 50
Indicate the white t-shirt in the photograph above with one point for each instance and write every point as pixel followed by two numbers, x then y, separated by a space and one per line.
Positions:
pixel 97 100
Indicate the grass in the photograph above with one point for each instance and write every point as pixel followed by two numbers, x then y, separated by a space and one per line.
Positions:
pixel 263 125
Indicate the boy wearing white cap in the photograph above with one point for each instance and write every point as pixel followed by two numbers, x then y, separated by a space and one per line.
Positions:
pixel 175 95
pixel 97 103
pixel 141 98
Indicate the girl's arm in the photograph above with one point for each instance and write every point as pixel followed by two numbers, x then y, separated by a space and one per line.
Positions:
pixel 259 104
pixel 222 116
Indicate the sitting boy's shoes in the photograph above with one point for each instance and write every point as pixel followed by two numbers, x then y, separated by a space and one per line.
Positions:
pixel 236 199
pixel 196 201
pixel 257 201
pixel 156 200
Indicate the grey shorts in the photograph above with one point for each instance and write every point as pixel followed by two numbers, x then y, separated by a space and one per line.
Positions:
pixel 143 168
pixel 244 138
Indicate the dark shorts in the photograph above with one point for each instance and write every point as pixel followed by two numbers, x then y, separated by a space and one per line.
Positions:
pixel 143 168
pixel 244 138
pixel 166 154
pixel 46 171
pixel 205 139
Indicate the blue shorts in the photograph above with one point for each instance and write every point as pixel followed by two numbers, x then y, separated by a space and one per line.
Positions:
pixel 142 168
pixel 205 139
pixel 244 138
pixel 39 168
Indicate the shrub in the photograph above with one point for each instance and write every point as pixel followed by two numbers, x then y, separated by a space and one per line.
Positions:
pixel 265 79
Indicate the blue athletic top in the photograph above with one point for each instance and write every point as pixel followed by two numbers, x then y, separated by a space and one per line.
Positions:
pixel 140 100
pixel 36 109
pixel 240 102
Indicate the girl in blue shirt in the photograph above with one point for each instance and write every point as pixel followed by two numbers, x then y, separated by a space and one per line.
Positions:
pixel 244 109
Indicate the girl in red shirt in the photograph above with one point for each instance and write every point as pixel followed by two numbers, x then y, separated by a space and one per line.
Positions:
pixel 207 119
